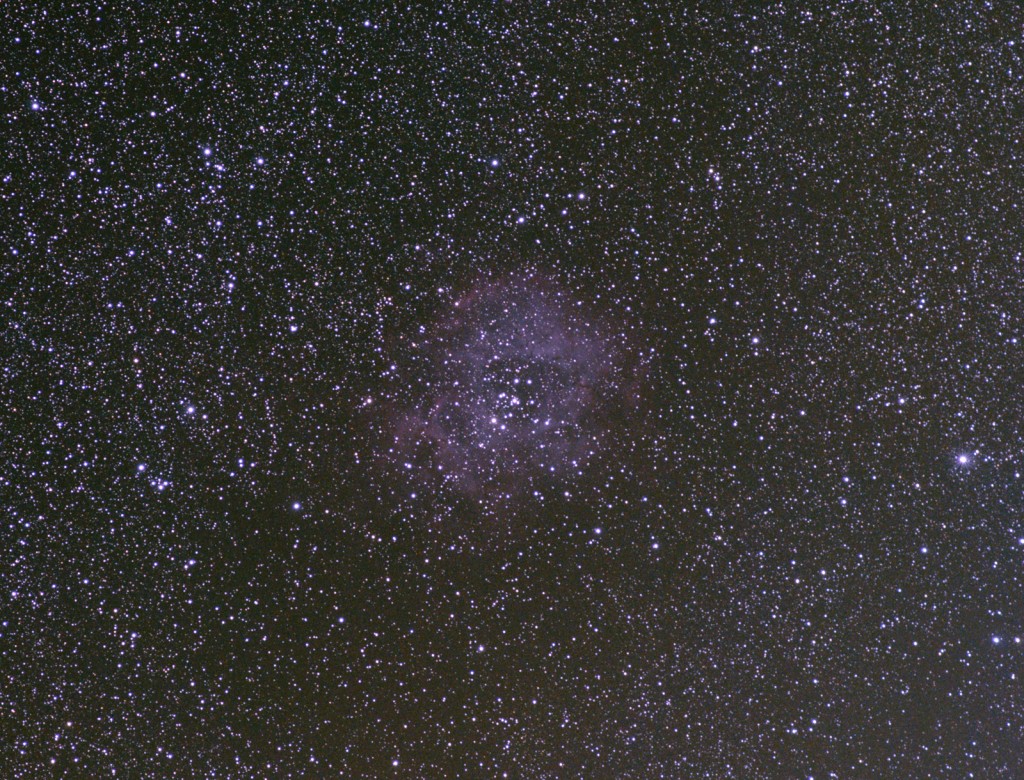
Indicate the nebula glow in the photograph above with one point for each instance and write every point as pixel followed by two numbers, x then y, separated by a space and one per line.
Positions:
pixel 514 384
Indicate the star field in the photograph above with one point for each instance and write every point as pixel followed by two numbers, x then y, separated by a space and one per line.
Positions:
pixel 512 390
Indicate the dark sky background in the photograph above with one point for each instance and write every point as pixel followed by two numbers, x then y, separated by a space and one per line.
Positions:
pixel 523 390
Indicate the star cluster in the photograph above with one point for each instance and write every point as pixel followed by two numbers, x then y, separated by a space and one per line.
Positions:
pixel 613 390
pixel 513 387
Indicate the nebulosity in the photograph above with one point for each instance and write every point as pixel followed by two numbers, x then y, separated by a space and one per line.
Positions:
pixel 511 387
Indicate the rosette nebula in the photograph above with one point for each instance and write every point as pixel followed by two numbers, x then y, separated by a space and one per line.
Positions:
pixel 514 385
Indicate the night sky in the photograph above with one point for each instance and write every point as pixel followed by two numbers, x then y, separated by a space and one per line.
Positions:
pixel 484 390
